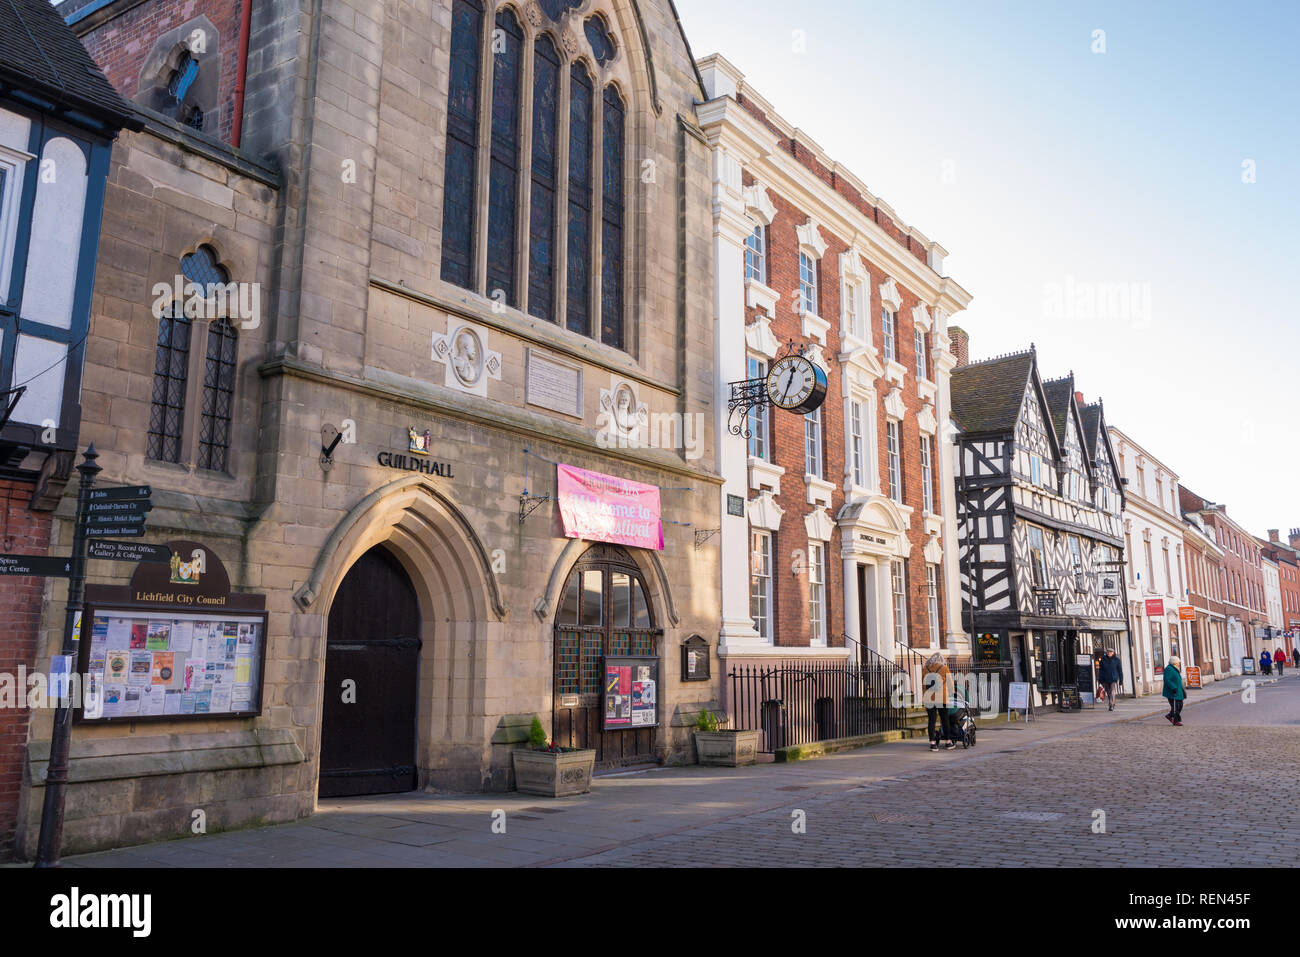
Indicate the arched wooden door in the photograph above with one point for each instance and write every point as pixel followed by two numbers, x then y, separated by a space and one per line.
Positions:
pixel 604 611
pixel 372 656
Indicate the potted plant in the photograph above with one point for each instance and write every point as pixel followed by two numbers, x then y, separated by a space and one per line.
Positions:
pixel 546 768
pixel 716 745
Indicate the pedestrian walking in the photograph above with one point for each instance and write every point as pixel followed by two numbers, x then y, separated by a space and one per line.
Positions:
pixel 1174 691
pixel 936 685
pixel 1111 675
pixel 1279 659
pixel 1266 662
pixel 1295 656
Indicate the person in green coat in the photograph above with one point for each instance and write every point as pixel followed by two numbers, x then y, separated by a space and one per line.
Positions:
pixel 1175 692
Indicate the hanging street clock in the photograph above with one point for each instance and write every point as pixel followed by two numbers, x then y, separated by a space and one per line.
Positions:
pixel 796 384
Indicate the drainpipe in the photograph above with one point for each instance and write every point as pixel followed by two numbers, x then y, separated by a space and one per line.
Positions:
pixel 241 74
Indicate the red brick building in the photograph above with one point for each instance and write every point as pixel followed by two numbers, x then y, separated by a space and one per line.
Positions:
pixel 174 57
pixel 1204 559
pixel 844 522
pixel 1242 576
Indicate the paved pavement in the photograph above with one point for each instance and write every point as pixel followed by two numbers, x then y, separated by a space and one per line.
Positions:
pixel 1218 791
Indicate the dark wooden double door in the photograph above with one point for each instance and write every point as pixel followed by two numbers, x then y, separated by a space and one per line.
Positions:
pixel 604 612
pixel 372 656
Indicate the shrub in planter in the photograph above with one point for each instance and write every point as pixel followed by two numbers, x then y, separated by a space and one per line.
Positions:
pixel 548 769
pixel 719 746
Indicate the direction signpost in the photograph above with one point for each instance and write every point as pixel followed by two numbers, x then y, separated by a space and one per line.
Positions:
pixel 115 551
pixel 37 565
pixel 104 513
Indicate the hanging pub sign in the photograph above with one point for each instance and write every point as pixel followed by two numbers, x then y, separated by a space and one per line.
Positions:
pixel 1047 604
pixel 631 693
pixel 605 508
pixel 1108 585
pixel 174 644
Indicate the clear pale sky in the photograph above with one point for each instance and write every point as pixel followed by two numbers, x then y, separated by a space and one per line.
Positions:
pixel 1051 172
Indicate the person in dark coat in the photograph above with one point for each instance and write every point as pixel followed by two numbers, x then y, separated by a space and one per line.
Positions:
pixel 1295 656
pixel 1175 692
pixel 1279 660
pixel 1266 662
pixel 1111 675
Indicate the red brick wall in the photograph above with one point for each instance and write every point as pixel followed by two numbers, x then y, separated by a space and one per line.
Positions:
pixel 121 45
pixel 852 197
pixel 790 591
pixel 24 532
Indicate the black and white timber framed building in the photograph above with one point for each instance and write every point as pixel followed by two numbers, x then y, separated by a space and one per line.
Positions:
pixel 1039 505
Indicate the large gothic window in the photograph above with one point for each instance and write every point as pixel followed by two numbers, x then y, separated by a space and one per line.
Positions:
pixel 579 272
pixel 553 231
pixel 541 227
pixel 611 238
pixel 459 198
pixel 503 189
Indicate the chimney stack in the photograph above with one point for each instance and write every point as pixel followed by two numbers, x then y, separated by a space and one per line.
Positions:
pixel 1272 535
pixel 1078 399
pixel 960 345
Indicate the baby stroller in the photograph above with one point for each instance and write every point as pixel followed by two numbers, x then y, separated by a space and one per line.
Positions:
pixel 962 721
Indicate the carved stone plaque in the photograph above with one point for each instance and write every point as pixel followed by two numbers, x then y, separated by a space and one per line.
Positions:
pixel 554 385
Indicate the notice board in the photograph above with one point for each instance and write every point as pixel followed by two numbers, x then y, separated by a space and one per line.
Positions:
pixel 631 692
pixel 175 644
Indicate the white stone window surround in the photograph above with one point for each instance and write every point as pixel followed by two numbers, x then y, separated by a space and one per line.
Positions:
pixel 761 211
pixel 861 390
pixel 891 300
pixel 813 246
pixel 818 592
pixel 855 286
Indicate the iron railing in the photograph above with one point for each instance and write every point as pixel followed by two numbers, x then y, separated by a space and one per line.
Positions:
pixel 802 702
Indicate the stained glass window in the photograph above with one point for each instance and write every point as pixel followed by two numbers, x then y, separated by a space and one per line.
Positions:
pixel 218 396
pixel 458 200
pixel 503 184
pixel 611 275
pixel 556 8
pixel 170 372
pixel 580 188
pixel 602 44
pixel 541 225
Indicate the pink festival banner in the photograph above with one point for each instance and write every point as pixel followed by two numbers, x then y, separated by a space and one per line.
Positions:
pixel 604 508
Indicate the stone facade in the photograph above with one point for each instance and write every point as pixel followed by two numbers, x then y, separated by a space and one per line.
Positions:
pixel 345 248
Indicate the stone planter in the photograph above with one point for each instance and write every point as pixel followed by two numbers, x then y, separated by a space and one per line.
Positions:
pixel 727 749
pixel 553 774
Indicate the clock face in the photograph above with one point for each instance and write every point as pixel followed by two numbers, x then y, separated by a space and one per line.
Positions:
pixel 796 385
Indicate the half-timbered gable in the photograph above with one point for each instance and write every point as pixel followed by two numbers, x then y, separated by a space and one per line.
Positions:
pixel 1034 535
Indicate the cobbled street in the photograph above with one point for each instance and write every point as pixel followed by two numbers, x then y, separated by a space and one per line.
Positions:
pixel 1223 785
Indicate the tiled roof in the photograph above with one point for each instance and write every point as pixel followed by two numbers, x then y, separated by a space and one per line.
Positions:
pixel 40 53
pixel 1059 392
pixel 987 396
pixel 1091 415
